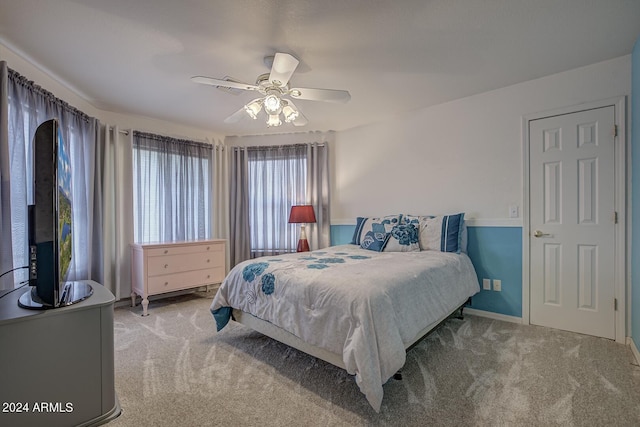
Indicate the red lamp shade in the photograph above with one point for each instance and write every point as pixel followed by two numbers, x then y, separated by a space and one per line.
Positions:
pixel 302 214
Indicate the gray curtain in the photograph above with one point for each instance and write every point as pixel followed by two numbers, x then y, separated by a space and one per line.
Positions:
pixel 114 208
pixel 25 105
pixel 172 190
pixel 220 195
pixel 240 238
pixel 265 182
pixel 318 195
pixel 6 247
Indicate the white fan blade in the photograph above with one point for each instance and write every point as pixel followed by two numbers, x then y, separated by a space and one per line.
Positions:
pixel 237 116
pixel 224 83
pixel 283 67
pixel 328 95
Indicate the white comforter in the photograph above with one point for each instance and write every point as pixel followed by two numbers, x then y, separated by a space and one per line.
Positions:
pixel 364 305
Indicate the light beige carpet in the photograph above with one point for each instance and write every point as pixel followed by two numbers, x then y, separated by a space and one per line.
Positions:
pixel 174 369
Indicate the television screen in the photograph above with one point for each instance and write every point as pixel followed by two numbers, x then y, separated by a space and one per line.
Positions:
pixel 64 210
pixel 50 225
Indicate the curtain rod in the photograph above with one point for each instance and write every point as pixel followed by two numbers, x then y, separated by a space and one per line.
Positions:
pixel 214 145
pixel 124 132
pixel 277 147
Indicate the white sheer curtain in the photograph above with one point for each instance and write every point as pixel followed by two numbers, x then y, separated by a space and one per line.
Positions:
pixel 277 180
pixel 172 191
pixel 27 106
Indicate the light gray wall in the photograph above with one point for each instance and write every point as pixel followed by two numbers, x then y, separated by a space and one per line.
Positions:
pixel 464 155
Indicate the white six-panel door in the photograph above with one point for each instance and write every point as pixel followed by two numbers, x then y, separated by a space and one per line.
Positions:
pixel 572 222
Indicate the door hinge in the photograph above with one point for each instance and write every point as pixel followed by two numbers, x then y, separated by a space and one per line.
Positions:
pixel 615 130
pixel 615 217
pixel 615 304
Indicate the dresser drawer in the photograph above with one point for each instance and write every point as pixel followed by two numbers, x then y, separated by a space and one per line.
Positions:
pixel 188 279
pixel 158 268
pixel 161 265
pixel 185 249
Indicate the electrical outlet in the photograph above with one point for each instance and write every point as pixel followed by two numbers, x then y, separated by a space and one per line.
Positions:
pixel 513 211
pixel 497 285
pixel 486 284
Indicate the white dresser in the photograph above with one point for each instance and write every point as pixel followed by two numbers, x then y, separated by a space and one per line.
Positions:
pixel 157 268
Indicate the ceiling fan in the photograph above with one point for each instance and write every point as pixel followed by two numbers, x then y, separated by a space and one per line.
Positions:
pixel 274 87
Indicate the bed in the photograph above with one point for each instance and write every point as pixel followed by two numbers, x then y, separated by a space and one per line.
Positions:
pixel 356 308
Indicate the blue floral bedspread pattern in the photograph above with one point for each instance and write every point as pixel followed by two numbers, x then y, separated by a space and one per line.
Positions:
pixel 364 305
pixel 254 274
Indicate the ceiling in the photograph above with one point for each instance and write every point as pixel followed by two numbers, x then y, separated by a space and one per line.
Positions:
pixel 137 56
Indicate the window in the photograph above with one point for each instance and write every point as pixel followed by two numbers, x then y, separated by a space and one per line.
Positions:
pixel 277 180
pixel 172 189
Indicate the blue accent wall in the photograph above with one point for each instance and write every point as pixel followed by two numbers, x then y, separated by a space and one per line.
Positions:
pixel 496 253
pixel 635 193
pixel 341 234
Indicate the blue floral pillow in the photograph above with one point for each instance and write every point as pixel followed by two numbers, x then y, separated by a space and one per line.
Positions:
pixel 355 240
pixel 375 241
pixel 404 238
pixel 374 225
pixel 412 219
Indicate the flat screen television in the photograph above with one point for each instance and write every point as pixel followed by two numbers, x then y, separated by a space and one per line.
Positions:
pixel 50 225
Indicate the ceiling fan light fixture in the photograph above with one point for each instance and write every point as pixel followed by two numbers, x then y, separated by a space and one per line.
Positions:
pixel 290 113
pixel 272 104
pixel 272 87
pixel 253 108
pixel 274 120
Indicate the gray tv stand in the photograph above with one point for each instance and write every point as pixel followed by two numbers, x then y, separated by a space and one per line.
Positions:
pixel 57 366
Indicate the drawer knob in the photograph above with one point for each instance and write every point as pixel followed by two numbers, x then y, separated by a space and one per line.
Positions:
pixel 208 260
pixel 166 265
pixel 208 276
pixel 207 247
pixel 166 251
pixel 166 283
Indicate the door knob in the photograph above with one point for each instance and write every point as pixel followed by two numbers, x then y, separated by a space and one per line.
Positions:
pixel 539 233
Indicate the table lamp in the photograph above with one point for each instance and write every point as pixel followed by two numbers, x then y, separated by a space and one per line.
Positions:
pixel 302 214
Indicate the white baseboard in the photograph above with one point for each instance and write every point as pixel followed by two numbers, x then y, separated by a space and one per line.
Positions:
pixel 491 315
pixel 634 349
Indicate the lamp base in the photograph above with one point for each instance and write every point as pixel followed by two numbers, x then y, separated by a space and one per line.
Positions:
pixel 303 245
